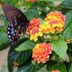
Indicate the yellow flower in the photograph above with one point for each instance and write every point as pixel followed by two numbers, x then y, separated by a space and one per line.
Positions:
pixel 35 33
pixel 56 19
pixel 54 22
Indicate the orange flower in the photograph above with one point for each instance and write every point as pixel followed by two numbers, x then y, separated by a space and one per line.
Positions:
pixel 56 15
pixel 56 19
pixel 41 52
pixel 55 71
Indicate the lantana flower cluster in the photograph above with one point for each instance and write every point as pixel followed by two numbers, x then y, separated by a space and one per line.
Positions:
pixel 33 29
pixel 53 23
pixel 41 52
pixel 56 20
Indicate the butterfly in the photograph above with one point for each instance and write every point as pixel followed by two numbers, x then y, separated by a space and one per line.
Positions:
pixel 18 22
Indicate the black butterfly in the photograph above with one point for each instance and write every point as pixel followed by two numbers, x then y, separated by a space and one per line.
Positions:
pixel 17 22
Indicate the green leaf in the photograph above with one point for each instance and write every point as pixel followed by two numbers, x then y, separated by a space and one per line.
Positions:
pixel 19 57
pixel 43 69
pixel 70 68
pixel 55 0
pixel 30 13
pixel 68 33
pixel 27 45
pixel 23 57
pixel 51 0
pixel 27 4
pixel 29 67
pixel 67 4
pixel 60 48
pixel 68 26
pixel 4 41
pixel 62 67
pixel 3 37
pixel 52 65
pixel 26 68
pixel 12 57
pixel 2 29
pixel 68 19
pixel 6 23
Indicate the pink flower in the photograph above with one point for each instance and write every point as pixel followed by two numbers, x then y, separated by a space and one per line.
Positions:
pixel 35 22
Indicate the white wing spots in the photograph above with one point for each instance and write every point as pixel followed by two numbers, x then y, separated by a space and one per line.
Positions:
pixel 15 20
pixel 19 15
pixel 12 29
pixel 15 31
pixel 8 32
pixel 12 32
pixel 16 23
pixel 11 21
pixel 19 27
pixel 9 36
pixel 10 39
pixel 14 17
pixel 8 28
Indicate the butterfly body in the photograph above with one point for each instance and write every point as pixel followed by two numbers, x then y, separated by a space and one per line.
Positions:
pixel 17 22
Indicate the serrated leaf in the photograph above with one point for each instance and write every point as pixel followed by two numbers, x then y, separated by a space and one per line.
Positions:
pixel 27 45
pixel 60 48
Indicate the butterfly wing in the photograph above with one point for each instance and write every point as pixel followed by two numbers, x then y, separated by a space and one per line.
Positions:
pixel 18 21
pixel 13 14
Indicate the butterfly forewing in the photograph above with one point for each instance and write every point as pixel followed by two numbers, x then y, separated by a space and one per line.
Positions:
pixel 17 21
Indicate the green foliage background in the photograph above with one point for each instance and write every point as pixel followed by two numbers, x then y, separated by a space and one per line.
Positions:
pixel 21 52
